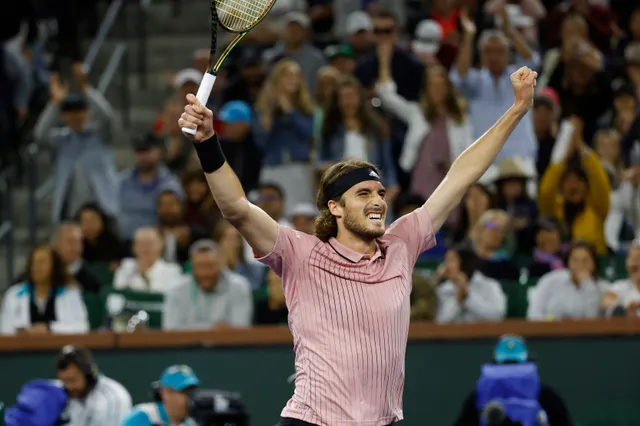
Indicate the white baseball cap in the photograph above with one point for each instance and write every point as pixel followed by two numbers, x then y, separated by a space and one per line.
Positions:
pixel 428 36
pixel 358 21
pixel 188 75
pixel 517 18
pixel 299 18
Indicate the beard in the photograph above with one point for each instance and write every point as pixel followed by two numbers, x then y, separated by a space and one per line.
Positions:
pixel 356 223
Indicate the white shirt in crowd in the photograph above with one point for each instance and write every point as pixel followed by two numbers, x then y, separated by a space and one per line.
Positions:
pixel 107 404
pixel 626 291
pixel 160 278
pixel 71 313
pixel 485 301
pixel 556 297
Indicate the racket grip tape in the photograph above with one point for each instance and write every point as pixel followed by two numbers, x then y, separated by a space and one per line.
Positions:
pixel 204 91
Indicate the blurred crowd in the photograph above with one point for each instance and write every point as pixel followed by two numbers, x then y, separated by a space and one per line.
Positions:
pixel 548 233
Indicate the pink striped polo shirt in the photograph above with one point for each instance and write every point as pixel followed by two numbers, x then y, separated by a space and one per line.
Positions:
pixel 349 317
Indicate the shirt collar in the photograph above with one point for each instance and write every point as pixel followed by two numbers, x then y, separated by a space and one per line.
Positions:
pixel 354 256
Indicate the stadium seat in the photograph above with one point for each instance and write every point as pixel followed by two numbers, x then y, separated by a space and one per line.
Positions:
pixel 517 297
pixel 95 304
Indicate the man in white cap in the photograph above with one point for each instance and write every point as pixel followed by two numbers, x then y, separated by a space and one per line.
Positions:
pixel 303 217
pixel 426 43
pixel 187 81
pixel 359 33
pixel 295 45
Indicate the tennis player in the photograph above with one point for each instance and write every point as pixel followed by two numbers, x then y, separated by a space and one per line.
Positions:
pixel 347 288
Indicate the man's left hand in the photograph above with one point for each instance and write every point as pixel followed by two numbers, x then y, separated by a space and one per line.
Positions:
pixel 523 82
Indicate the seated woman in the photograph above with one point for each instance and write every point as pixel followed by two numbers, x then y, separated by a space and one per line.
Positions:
pixel 490 238
pixel 547 255
pixel 467 295
pixel 625 294
pixel 101 241
pixel 148 271
pixel 46 302
pixel 571 293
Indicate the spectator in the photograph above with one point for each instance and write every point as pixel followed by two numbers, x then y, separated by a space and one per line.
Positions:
pixel 632 61
pixel 46 302
pixel 246 83
pixel 406 70
pixel 200 209
pixel 141 184
pixel 283 130
pixel 341 58
pixel 352 130
pixel 360 34
pixel 177 234
pixel 626 293
pixel 239 144
pixel 101 242
pixel 572 293
pixel 295 46
pixel 147 271
pixel 85 170
pixel 633 34
pixel 15 90
pixel 598 16
pixel 438 128
pixel 583 86
pixel 467 295
pixel 625 108
pixel 232 255
pixel 212 297
pixel 547 255
pixel 67 242
pixel 486 88
pixel 546 112
pixel 322 20
pixel 625 209
pixel 491 238
pixel 475 203
pixel 512 197
pixel 523 16
pixel 427 45
pixel 328 77
pixel 578 197
pixel 303 217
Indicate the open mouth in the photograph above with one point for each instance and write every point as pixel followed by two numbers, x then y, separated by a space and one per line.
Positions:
pixel 375 218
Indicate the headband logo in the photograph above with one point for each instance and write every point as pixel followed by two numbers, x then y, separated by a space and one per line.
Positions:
pixel 374 174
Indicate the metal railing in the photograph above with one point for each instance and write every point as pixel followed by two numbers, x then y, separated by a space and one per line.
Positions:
pixel 6 227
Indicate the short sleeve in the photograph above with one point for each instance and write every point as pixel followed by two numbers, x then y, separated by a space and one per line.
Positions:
pixel 415 230
pixel 291 246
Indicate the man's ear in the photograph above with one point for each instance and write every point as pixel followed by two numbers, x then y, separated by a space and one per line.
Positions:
pixel 335 208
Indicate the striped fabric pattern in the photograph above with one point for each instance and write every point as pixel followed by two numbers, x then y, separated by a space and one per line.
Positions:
pixel 349 316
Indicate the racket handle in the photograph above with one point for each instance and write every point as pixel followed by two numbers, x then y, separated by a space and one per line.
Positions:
pixel 204 91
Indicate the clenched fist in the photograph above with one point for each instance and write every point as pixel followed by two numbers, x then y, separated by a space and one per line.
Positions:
pixel 523 82
pixel 197 116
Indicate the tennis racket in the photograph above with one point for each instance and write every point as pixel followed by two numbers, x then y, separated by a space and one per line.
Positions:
pixel 235 16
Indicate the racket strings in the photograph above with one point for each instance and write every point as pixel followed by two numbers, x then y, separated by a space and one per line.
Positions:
pixel 240 15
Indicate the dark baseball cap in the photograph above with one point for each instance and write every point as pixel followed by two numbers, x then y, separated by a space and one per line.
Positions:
pixel 74 102
pixel 249 56
pixel 147 141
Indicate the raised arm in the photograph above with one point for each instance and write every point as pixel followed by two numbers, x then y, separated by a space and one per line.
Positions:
pixel 476 159
pixel 257 227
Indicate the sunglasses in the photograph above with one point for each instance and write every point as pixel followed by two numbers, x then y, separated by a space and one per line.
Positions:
pixel 384 31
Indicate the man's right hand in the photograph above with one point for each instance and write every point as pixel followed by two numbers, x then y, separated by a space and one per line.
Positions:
pixel 198 116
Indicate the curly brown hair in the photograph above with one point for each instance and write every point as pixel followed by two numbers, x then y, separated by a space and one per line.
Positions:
pixel 326 225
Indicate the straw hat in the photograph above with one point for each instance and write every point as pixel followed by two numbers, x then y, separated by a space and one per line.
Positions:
pixel 511 168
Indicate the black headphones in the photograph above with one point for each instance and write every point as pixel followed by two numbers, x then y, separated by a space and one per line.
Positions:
pixel 82 358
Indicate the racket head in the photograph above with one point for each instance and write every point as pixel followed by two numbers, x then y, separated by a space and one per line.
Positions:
pixel 240 16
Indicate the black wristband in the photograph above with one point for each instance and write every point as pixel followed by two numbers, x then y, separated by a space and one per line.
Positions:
pixel 210 154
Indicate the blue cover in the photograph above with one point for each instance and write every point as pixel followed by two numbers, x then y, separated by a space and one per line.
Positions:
pixel 39 403
pixel 516 387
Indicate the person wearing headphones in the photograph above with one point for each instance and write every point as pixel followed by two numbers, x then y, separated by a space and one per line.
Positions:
pixel 172 399
pixel 512 372
pixel 94 399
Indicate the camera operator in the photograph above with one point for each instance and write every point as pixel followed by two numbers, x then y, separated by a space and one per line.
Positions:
pixel 509 392
pixel 94 399
pixel 172 400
